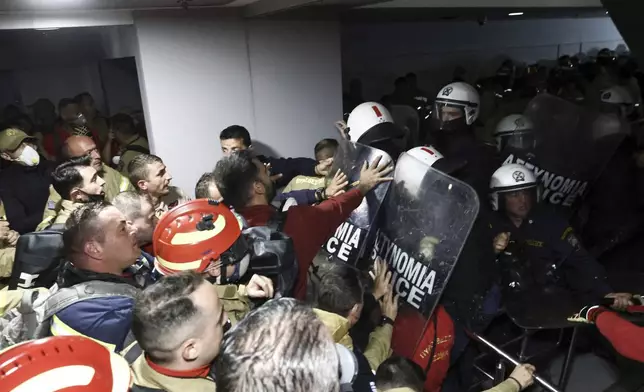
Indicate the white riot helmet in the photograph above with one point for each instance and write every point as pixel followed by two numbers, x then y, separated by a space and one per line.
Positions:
pixel 511 178
pixel 430 156
pixel 370 123
pixel 366 116
pixel 516 131
pixel 617 100
pixel 460 96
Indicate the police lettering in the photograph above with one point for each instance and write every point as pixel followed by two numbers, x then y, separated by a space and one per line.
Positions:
pixel 346 240
pixel 557 189
pixel 412 280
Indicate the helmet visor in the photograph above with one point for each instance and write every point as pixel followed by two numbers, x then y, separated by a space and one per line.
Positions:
pixel 520 140
pixel 448 115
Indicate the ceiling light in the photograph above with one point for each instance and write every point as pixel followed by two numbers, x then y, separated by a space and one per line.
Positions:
pixel 515 14
pixel 48 28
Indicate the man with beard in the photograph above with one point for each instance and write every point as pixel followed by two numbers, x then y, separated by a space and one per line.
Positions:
pixel 78 182
pixel 245 184
pixel 115 182
pixel 77 147
pixel 150 176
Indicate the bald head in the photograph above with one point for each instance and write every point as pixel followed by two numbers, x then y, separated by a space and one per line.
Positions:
pixel 78 146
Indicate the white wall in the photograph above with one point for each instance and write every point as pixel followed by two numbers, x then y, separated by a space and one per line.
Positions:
pixel 55 83
pixel 296 81
pixel 200 74
pixel 378 53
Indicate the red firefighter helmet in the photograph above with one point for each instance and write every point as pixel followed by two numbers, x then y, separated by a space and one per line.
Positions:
pixel 190 236
pixel 70 363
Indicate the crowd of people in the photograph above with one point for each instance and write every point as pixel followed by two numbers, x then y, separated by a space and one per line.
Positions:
pixel 148 290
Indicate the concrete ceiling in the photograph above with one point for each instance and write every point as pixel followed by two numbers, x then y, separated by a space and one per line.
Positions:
pixel 18 6
pixel 486 4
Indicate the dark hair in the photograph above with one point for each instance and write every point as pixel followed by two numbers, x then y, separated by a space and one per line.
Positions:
pixel 326 143
pixel 18 122
pixel 63 103
pixel 130 203
pixel 82 226
pixel 410 75
pixel 162 308
pixel 280 346
pixel 236 132
pixel 123 123
pixel 340 289
pixel 138 167
pixel 79 98
pixel 235 176
pixel 66 176
pixel 399 372
pixel 202 189
pixel 400 81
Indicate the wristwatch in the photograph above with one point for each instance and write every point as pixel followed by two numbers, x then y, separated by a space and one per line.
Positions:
pixel 386 320
pixel 320 194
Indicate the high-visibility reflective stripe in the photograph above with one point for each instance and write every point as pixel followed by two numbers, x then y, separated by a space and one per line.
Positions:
pixel 194 237
pixel 59 328
pixel 125 184
pixel 187 266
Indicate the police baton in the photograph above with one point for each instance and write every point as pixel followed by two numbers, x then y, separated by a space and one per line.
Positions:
pixel 509 358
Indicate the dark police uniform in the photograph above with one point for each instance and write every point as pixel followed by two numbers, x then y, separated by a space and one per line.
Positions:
pixel 555 256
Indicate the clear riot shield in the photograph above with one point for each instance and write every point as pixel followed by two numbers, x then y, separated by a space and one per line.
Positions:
pixel 572 147
pixel 350 239
pixel 424 223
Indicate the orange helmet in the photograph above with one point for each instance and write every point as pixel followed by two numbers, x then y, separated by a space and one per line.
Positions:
pixel 70 363
pixel 192 235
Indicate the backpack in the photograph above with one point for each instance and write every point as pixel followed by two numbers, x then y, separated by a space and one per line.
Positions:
pixel 273 254
pixel 32 319
pixel 38 259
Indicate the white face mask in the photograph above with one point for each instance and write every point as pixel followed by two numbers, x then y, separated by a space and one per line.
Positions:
pixel 28 157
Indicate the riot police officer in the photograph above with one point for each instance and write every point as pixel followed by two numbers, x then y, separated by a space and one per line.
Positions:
pixel 548 243
pixel 515 132
pixel 456 109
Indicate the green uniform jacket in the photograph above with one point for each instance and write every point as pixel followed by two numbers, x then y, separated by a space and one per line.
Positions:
pixel 63 212
pixel 145 376
pixel 128 155
pixel 7 256
pixel 379 346
pixel 305 182
pixel 115 183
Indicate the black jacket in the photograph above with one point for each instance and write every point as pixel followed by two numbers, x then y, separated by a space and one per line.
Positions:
pixel 473 276
pixel 24 192
pixel 554 255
